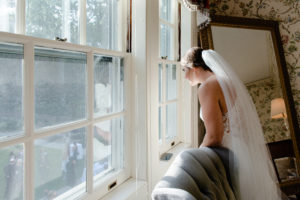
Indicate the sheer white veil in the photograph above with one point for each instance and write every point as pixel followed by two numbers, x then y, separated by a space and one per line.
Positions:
pixel 251 164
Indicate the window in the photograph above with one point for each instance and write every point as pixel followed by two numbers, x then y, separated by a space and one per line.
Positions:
pixel 168 105
pixel 62 17
pixel 109 101
pixel 61 126
pixel 11 90
pixel 64 128
pixel 12 172
pixel 167 21
pixel 104 23
pixel 97 23
pixel 7 15
pixel 109 85
pixel 60 161
pixel 60 87
pixel 168 77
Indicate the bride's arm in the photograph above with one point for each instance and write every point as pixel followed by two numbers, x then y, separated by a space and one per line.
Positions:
pixel 208 95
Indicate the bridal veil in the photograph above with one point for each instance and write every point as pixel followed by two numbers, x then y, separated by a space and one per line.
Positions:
pixel 256 179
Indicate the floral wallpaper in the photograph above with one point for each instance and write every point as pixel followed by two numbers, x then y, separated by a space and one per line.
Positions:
pixel 262 92
pixel 287 13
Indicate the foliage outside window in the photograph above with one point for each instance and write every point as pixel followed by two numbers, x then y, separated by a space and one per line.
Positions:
pixel 97 23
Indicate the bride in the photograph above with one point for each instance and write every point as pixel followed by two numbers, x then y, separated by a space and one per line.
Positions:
pixel 231 121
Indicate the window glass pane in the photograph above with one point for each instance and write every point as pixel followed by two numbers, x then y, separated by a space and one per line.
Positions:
pixel 171 86
pixel 160 86
pixel 103 24
pixel 171 130
pixel 166 41
pixel 12 172
pixel 108 147
pixel 59 163
pixel 11 83
pixel 109 85
pixel 7 15
pixel 159 125
pixel 166 10
pixel 55 18
pixel 60 87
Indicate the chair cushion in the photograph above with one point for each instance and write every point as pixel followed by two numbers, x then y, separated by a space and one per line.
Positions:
pixel 202 173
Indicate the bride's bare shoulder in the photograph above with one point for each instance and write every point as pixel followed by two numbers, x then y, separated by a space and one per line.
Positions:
pixel 209 87
pixel 210 83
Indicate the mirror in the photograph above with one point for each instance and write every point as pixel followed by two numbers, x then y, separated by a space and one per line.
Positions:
pixel 253 48
pixel 251 54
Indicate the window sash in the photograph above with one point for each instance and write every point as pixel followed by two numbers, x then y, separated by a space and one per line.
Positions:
pixel 123 7
pixel 28 97
pixel 165 145
pixel 173 25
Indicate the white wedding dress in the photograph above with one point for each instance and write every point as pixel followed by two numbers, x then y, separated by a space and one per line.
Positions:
pixel 243 135
pixel 226 136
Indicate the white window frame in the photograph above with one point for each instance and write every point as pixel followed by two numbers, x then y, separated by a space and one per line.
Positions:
pixel 164 146
pixel 100 188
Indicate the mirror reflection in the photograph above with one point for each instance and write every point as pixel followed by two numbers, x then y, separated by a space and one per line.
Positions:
pixel 251 53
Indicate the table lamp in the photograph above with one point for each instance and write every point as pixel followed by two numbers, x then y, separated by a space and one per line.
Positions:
pixel 278 110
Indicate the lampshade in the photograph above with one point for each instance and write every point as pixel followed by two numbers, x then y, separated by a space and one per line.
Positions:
pixel 278 108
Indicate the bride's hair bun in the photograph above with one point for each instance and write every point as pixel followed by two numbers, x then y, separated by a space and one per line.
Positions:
pixel 194 56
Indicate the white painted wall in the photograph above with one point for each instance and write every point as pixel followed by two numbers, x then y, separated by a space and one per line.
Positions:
pixel 139 85
pixel 189 94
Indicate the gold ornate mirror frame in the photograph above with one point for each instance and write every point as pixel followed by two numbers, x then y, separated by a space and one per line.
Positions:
pixel 205 41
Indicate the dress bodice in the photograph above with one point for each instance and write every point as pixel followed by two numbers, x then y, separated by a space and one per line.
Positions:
pixel 226 127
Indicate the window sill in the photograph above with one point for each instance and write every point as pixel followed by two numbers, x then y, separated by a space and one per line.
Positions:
pixel 175 151
pixel 131 189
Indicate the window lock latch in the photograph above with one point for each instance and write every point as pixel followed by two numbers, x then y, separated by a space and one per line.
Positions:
pixel 164 57
pixel 60 39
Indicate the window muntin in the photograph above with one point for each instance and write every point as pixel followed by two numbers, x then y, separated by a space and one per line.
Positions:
pixel 108 147
pixel 12 172
pixel 50 19
pixel 103 22
pixel 8 15
pixel 108 85
pixel 60 87
pixel 11 85
pixel 60 163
